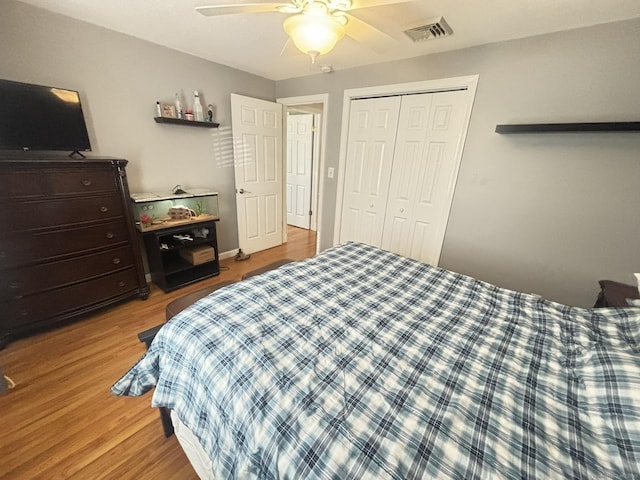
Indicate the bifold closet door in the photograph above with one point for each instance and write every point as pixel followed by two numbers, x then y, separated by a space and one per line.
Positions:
pixel 373 123
pixel 423 176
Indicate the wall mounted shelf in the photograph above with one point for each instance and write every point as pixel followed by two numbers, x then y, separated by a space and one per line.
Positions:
pixel 191 123
pixel 569 127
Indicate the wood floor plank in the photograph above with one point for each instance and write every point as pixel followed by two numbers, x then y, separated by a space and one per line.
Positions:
pixel 60 420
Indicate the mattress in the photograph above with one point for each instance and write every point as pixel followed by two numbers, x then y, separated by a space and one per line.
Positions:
pixel 193 450
pixel 359 363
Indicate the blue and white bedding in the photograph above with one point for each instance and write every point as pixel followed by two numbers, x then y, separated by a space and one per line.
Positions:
pixel 359 363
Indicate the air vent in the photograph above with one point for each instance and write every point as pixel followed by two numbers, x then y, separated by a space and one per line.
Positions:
pixel 434 28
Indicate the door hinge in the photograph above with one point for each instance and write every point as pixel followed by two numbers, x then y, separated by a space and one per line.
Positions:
pixel 310 213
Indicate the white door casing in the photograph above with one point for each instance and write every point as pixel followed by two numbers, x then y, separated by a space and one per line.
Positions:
pixel 372 130
pixel 299 169
pixel 422 180
pixel 318 134
pixel 258 166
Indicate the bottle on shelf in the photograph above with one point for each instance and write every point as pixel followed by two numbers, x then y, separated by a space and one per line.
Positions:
pixel 179 112
pixel 198 114
pixel 158 110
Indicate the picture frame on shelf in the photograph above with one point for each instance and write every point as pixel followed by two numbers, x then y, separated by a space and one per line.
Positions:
pixel 167 110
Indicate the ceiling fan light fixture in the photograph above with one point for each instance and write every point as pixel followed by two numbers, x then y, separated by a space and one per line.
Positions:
pixel 314 34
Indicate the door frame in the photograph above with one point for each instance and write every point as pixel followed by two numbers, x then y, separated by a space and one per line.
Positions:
pixel 317 186
pixel 469 83
pixel 311 173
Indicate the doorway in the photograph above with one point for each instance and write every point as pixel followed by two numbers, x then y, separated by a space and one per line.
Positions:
pixel 314 107
pixel 299 160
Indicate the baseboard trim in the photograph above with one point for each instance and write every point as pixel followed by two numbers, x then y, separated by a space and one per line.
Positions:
pixel 229 254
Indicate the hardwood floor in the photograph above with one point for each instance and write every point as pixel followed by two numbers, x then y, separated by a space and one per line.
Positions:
pixel 60 421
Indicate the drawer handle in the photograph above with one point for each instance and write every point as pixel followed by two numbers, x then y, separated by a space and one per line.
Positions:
pixel 116 260
pixel 86 183
pixel 121 283
pixel 13 285
pixel 104 209
pixel 110 235
pixel 24 312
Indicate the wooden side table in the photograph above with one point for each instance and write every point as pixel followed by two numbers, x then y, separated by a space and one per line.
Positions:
pixel 615 294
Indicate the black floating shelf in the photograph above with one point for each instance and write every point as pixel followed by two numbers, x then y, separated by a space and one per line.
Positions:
pixel 191 123
pixel 569 127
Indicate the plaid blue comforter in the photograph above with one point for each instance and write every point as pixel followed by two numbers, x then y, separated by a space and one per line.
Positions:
pixel 359 363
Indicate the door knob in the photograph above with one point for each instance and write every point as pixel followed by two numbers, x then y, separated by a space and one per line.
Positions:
pixel 242 190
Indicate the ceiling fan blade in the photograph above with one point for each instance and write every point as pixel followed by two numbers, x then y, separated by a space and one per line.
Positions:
pixel 356 4
pixel 213 10
pixel 368 35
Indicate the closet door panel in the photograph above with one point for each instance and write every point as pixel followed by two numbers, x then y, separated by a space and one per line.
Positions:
pixel 423 175
pixel 442 153
pixel 398 234
pixel 372 130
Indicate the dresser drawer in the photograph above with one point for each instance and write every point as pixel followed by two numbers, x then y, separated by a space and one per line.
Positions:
pixel 52 213
pixel 86 181
pixel 30 247
pixel 45 182
pixel 16 283
pixel 35 308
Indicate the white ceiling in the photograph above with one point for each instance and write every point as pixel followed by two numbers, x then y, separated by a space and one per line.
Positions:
pixel 253 42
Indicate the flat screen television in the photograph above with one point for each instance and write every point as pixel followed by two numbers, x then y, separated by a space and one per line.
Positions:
pixel 35 117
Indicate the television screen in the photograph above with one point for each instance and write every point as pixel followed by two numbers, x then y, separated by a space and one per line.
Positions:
pixel 35 117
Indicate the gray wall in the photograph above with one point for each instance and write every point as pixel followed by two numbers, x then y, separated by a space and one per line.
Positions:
pixel 120 78
pixel 549 213
pixel 543 213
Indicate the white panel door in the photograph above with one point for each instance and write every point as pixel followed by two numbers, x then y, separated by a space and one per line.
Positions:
pixel 299 166
pixel 425 166
pixel 258 157
pixel 372 130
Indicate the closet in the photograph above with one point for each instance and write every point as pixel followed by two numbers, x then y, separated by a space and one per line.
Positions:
pixel 402 159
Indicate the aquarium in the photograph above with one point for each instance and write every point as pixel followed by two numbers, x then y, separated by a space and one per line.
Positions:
pixel 154 211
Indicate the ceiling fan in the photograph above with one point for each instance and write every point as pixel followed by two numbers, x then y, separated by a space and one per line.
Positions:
pixel 315 26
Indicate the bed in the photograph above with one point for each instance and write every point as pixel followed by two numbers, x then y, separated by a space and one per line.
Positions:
pixel 359 363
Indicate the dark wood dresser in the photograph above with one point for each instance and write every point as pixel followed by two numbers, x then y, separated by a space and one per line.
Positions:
pixel 68 242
